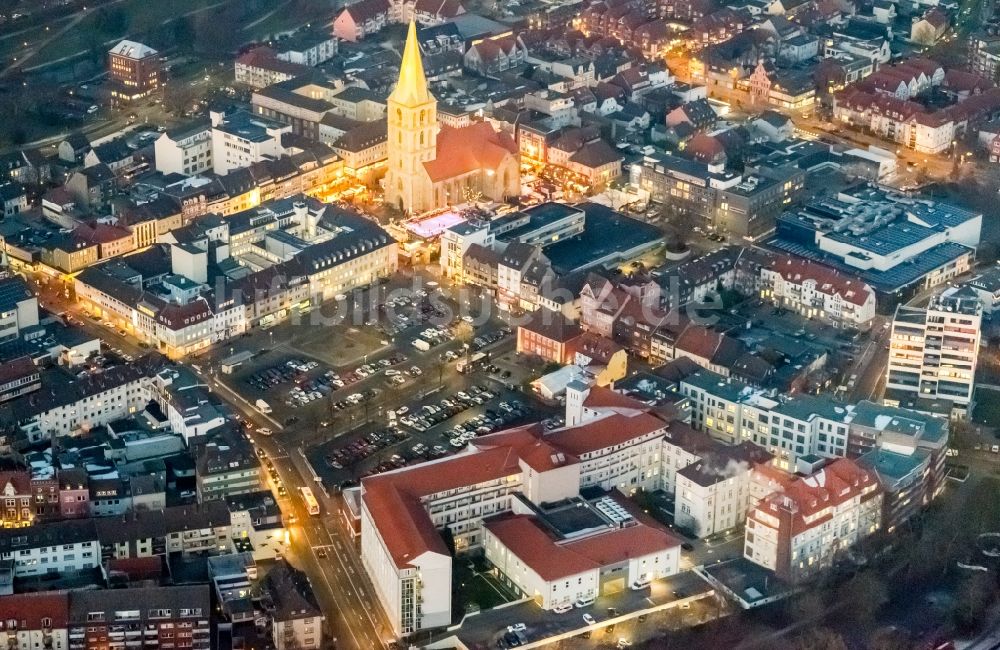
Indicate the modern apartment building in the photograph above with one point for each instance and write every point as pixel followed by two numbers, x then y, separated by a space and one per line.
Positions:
pixel 186 150
pixel 242 139
pixel 933 352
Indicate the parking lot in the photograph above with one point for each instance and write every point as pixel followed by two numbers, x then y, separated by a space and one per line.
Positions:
pixel 430 426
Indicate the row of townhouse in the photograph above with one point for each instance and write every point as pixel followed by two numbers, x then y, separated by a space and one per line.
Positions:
pixel 136 617
pixel 65 547
pixel 74 403
pixel 180 310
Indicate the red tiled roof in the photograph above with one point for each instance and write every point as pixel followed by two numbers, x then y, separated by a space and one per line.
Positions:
pixel 704 147
pixel 960 80
pixel 604 431
pixel 699 341
pixel 535 548
pixel 266 58
pixel 18 478
pixel 936 18
pixel 596 154
pixel 17 369
pixel 601 397
pixel 624 543
pixel 137 568
pixel 179 316
pixel 553 559
pixel 393 498
pixel 527 441
pixel 101 233
pixel 491 48
pixel 366 9
pixel 469 148
pixel 597 347
pixel 551 325
pixel 29 610
pixel 827 280
pixel 839 482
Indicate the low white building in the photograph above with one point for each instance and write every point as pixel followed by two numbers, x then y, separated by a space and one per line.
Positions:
pixel 186 150
pixel 242 139
pixel 560 571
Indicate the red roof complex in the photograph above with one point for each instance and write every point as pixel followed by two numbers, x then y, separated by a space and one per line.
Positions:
pixel 395 499
pixel 29 610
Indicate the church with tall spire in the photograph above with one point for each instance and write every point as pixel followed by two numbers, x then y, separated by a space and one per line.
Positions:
pixel 432 166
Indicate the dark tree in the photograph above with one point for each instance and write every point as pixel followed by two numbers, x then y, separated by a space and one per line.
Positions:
pixel 112 21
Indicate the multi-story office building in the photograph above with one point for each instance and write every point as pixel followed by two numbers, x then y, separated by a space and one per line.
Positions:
pixel 744 205
pixel 933 352
pixel 135 71
pixel 731 411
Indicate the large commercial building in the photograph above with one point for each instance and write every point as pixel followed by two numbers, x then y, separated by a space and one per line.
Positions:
pixel 897 244
pixel 744 205
pixel 933 352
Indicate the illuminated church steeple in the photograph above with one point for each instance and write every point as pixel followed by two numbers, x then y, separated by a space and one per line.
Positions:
pixel 412 131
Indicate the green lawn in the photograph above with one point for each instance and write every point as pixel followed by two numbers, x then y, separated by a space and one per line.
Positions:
pixel 471 590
